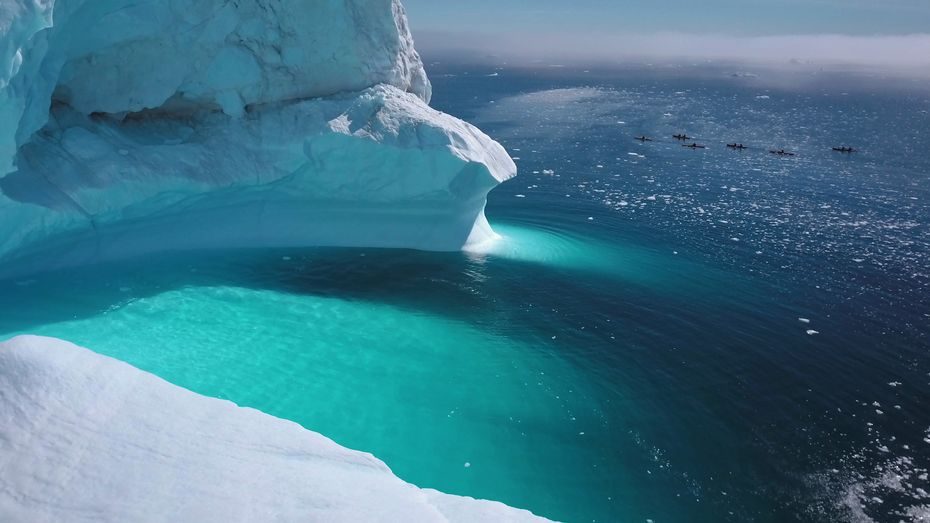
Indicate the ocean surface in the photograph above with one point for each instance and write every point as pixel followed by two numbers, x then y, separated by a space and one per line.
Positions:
pixel 663 334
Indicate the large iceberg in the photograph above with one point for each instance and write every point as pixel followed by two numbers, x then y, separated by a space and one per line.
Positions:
pixel 134 126
pixel 84 437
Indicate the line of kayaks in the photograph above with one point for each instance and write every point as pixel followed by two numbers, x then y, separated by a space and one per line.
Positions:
pixel 737 146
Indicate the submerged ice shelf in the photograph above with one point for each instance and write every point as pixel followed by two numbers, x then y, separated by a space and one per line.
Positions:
pixel 261 124
pixel 129 128
pixel 89 438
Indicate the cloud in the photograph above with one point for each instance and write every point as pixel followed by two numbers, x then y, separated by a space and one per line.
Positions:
pixel 906 52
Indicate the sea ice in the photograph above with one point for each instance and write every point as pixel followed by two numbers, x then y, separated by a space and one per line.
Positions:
pixel 88 438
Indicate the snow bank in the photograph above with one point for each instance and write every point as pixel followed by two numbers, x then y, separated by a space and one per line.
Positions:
pixel 131 126
pixel 87 438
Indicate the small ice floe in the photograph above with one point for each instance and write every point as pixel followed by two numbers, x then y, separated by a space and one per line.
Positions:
pixel 548 171
pixel 467 465
pixel 804 320
pixel 894 384
pixel 763 97
pixel 667 114
pixel 590 218
pixel 520 196
pixel 812 332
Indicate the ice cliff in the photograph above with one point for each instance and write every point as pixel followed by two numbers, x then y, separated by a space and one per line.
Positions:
pixel 87 438
pixel 134 126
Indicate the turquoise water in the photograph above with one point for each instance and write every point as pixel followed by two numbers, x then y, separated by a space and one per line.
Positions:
pixel 631 349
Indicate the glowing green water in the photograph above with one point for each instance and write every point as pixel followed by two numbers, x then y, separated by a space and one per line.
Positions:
pixel 461 400
pixel 460 371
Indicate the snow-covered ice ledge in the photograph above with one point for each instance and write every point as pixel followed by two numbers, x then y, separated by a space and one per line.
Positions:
pixel 128 127
pixel 85 437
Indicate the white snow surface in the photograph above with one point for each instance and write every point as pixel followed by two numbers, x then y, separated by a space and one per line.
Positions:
pixel 134 126
pixel 88 438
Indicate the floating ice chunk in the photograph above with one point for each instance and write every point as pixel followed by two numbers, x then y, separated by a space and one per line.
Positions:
pixel 804 320
pixel 812 332
pixel 256 129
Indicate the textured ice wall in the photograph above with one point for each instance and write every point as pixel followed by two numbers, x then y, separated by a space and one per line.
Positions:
pixel 88 438
pixel 132 126
pixel 115 56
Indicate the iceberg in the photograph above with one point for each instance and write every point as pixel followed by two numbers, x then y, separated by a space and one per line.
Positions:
pixel 129 127
pixel 88 438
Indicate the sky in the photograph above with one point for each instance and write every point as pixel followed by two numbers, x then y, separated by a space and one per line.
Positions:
pixel 879 32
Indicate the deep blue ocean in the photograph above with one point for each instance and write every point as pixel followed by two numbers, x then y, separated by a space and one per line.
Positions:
pixel 664 334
